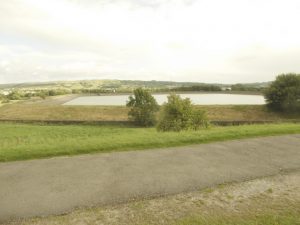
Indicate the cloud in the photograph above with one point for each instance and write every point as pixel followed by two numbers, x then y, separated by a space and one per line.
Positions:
pixel 154 4
pixel 206 41
pixel 265 60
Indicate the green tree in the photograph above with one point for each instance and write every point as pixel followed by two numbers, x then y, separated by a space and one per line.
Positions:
pixel 14 95
pixel 42 94
pixel 179 114
pixel 284 93
pixel 143 108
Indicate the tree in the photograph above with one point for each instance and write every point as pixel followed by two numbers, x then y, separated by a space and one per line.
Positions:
pixel 179 114
pixel 14 95
pixel 284 93
pixel 42 94
pixel 143 108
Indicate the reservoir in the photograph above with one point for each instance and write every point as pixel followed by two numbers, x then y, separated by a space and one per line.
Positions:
pixel 197 99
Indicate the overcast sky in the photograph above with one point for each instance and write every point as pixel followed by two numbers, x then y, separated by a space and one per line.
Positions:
pixel 213 41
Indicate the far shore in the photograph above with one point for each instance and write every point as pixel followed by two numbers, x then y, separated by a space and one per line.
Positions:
pixel 180 92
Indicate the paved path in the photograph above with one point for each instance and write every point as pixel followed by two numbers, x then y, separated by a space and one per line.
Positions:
pixel 58 185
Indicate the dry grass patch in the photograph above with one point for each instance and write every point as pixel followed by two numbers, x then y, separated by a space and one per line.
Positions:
pixel 245 113
pixel 41 111
pixel 60 112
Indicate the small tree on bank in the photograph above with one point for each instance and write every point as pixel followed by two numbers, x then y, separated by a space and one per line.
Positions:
pixel 179 114
pixel 143 108
pixel 284 93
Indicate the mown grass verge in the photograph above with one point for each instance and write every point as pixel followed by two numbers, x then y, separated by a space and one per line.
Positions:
pixel 27 141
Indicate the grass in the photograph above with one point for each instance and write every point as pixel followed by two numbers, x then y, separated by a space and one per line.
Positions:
pixel 54 111
pixel 280 218
pixel 24 141
pixel 61 112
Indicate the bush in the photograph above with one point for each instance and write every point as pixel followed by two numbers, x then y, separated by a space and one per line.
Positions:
pixel 143 108
pixel 284 93
pixel 178 114
pixel 14 95
pixel 42 94
pixel 199 119
pixel 3 99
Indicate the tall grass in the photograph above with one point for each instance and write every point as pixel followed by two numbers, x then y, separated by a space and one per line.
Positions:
pixel 45 112
pixel 24 141
pixel 287 217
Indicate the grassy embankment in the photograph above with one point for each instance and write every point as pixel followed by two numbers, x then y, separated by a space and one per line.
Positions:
pixel 23 141
pixel 267 201
pixel 42 112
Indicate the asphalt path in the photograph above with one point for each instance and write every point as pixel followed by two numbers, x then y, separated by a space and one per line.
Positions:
pixel 59 185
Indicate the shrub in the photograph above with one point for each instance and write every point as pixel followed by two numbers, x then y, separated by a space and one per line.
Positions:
pixel 284 93
pixel 14 95
pixel 178 114
pixel 5 101
pixel 42 94
pixel 143 108
pixel 199 119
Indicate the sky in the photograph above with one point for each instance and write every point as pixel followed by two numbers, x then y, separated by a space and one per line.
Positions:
pixel 211 41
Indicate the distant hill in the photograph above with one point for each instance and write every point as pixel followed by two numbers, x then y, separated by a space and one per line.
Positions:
pixel 257 84
pixel 115 84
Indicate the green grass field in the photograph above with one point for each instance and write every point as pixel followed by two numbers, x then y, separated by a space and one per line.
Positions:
pixel 24 141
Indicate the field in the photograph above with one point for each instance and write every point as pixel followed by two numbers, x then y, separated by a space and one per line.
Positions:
pixel 266 201
pixel 24 141
pixel 50 110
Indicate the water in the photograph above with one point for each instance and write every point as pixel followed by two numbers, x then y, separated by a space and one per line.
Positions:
pixel 198 99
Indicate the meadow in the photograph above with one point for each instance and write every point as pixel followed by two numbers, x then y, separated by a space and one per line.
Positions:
pixel 30 141
pixel 52 111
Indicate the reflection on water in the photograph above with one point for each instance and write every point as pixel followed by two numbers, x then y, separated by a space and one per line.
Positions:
pixel 198 99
